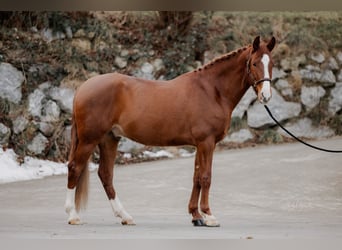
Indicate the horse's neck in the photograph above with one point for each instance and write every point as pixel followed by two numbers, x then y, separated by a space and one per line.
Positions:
pixel 230 78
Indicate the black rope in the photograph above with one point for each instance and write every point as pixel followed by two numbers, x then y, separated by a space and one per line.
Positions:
pixel 295 137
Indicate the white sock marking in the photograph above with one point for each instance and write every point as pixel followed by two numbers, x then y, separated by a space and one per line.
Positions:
pixel 70 205
pixel 119 210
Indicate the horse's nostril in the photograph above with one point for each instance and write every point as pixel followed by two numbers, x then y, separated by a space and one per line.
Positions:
pixel 265 99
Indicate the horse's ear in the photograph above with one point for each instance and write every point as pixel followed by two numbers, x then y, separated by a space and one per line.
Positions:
pixel 271 44
pixel 256 43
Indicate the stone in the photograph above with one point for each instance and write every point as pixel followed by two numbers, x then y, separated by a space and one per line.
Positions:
pixel 67 135
pixel 50 112
pixel 45 86
pixel 100 45
pixel 38 144
pixel 19 124
pixel 91 35
pixel 339 76
pixel 147 68
pixel 81 44
pixel 278 73
pixel 49 36
pixel 339 57
pixel 289 64
pixel 317 57
pixel 128 146
pixel 314 74
pixel 335 103
pixel 35 103
pixel 68 32
pixel 304 128
pixel 124 53
pixel 244 103
pixel 240 136
pixel 11 80
pixel 257 116
pixel 328 77
pixel 158 64
pixel 46 128
pixel 311 96
pixel 332 64
pixel 208 56
pixel 64 97
pixel 80 33
pixel 5 134
pixel 284 87
pixel 146 71
pixel 120 62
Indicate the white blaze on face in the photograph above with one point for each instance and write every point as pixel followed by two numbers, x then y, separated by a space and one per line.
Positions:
pixel 266 86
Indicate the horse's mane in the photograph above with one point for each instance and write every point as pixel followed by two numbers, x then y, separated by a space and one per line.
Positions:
pixel 222 58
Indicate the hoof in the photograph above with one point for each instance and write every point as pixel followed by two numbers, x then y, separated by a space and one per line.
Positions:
pixel 212 224
pixel 129 222
pixel 210 220
pixel 198 223
pixel 76 221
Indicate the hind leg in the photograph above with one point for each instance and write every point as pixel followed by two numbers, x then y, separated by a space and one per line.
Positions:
pixel 76 168
pixel 108 147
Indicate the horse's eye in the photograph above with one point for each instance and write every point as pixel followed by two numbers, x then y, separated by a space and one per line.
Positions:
pixel 254 64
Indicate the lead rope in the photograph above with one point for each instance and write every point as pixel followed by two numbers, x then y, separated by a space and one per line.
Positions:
pixel 295 137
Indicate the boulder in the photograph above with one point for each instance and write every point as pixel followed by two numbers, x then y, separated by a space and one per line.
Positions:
pixel 244 103
pixel 19 124
pixel 311 96
pixel 64 97
pixel 49 35
pixel 38 144
pixel 46 128
pixel 81 44
pixel 335 103
pixel 67 135
pixel 332 64
pixel 304 128
pixel 120 62
pixel 284 87
pixel 278 73
pixel 317 57
pixel 240 136
pixel 257 116
pixel 11 80
pixel 128 146
pixel 289 63
pixel 339 76
pixel 5 134
pixel 146 71
pixel 158 64
pixel 35 102
pixel 314 74
pixel 50 112
pixel 339 57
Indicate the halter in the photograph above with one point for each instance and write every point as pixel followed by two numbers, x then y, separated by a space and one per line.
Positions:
pixel 256 82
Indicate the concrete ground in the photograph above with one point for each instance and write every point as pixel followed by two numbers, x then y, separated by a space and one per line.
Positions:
pixel 273 192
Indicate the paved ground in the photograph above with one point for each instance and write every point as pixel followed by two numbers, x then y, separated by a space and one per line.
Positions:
pixel 283 191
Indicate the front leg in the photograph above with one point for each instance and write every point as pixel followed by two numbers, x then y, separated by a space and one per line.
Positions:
pixel 202 181
pixel 197 219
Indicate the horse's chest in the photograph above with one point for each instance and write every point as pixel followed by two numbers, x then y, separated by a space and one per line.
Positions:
pixel 222 129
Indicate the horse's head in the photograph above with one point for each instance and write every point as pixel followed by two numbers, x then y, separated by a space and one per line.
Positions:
pixel 259 68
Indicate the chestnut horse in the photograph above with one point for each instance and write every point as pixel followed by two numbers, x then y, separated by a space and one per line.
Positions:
pixel 193 109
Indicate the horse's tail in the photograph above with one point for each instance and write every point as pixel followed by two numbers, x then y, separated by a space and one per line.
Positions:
pixel 81 196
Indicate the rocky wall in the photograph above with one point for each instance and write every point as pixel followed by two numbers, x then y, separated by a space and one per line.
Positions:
pixel 307 98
